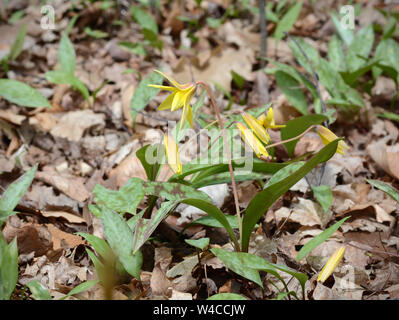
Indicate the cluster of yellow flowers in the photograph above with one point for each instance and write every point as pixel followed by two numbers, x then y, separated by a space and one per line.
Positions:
pixel 258 126
pixel 256 137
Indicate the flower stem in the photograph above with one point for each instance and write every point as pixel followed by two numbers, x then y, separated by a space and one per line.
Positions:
pixel 227 147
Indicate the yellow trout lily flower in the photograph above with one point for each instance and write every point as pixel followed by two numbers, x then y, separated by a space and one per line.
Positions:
pixel 331 264
pixel 328 136
pixel 267 120
pixel 252 141
pixel 180 97
pixel 172 154
pixel 256 127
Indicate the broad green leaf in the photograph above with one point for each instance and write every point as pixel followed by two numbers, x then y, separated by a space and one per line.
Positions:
pixel 64 77
pixel 212 222
pixel 264 199
pixel 98 34
pixel 225 177
pixel 125 200
pixel 145 227
pixel 100 245
pixel 310 51
pixel 8 268
pixel 289 19
pixel 244 264
pixel 144 94
pixel 136 48
pixel 389 115
pixel 120 238
pixel 15 191
pixel 346 34
pixel 151 169
pixel 292 91
pixel 20 93
pixel 360 46
pixel 248 265
pixel 66 55
pixel 144 19
pixel 388 189
pixel 17 45
pixel 323 195
pixel 81 288
pixel 336 55
pixel 387 52
pixel 297 126
pixel 198 243
pixel 284 173
pixel 227 296
pixel 296 75
pixel 319 239
pixel 215 212
pixel 39 292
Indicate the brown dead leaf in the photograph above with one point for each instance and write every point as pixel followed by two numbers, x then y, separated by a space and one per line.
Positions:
pixel 387 157
pixel 72 125
pixel 63 240
pixel 70 185
pixel 72 218
pixel 160 284
pixel 218 67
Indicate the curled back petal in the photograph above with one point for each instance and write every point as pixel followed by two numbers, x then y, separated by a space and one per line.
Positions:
pixel 167 88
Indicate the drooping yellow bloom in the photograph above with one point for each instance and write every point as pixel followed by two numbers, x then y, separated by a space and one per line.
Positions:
pixel 180 97
pixel 331 264
pixel 172 154
pixel 267 120
pixel 256 127
pixel 328 136
pixel 252 141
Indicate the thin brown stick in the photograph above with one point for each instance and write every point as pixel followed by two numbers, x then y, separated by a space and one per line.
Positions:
pixel 227 147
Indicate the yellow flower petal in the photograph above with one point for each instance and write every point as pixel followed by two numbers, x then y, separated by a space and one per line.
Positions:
pixel 172 154
pixel 267 120
pixel 167 88
pixel 328 136
pixel 186 115
pixel 167 103
pixel 252 141
pixel 331 264
pixel 171 80
pixel 256 127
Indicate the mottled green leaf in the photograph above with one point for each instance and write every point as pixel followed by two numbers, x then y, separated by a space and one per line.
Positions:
pixel 292 91
pixel 18 44
pixel 66 55
pixel 288 20
pixel 39 292
pixel 198 243
pixel 120 238
pixel 388 189
pixel 319 239
pixel 21 94
pixel 15 191
pixel 264 199
pixel 144 94
pixel 8 268
pixel 297 126
pixel 227 296
pixel 323 195
pixel 81 288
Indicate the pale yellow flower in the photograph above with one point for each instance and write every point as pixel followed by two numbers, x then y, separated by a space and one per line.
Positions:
pixel 252 141
pixel 179 98
pixel 267 120
pixel 328 136
pixel 256 127
pixel 172 154
pixel 331 264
